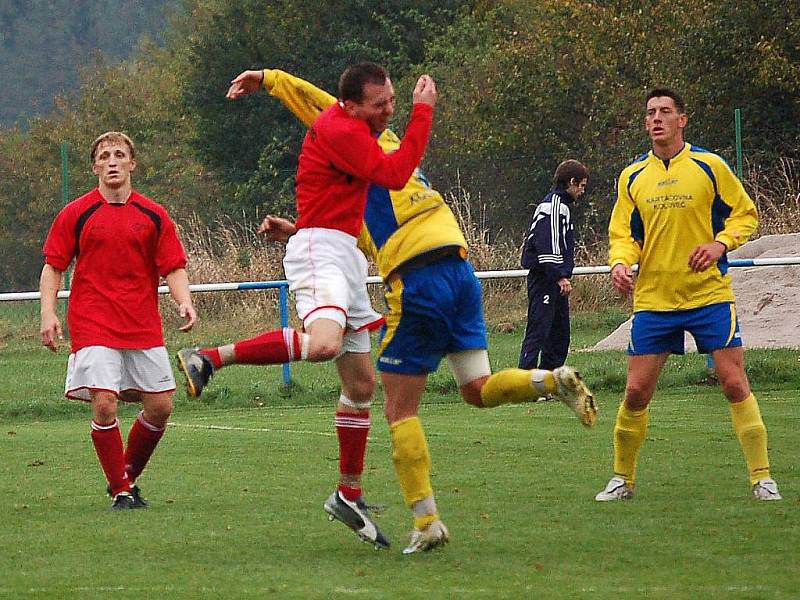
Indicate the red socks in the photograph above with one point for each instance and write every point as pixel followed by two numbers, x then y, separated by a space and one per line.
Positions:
pixel 142 440
pixel 122 467
pixel 108 445
pixel 352 430
pixel 212 354
pixel 270 348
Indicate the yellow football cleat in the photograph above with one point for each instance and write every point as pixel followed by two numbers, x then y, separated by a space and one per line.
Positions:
pixel 571 390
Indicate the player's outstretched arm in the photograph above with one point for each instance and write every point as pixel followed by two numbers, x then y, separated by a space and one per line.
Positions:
pixel 178 284
pixel 246 82
pixel 50 328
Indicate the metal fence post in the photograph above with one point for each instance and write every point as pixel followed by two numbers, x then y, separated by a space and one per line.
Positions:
pixel 284 294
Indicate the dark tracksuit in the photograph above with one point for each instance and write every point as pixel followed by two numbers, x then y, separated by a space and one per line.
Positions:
pixel 549 253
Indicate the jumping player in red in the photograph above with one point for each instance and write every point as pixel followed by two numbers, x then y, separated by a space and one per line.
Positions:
pixel 122 243
pixel 340 157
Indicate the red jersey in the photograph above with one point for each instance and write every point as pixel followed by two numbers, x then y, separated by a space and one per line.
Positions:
pixel 340 158
pixel 120 251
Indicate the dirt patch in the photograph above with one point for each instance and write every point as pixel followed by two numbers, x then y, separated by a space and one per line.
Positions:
pixel 767 298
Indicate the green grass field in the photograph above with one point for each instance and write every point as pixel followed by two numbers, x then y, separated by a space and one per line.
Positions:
pixel 237 486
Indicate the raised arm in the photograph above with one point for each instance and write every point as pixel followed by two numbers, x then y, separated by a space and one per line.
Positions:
pixel 304 99
pixel 353 149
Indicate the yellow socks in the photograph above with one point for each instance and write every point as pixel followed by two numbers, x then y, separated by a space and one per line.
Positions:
pixel 412 462
pixel 422 522
pixel 517 385
pixel 629 433
pixel 752 436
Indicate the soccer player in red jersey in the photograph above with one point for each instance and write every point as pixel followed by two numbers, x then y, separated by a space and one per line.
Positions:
pixel 122 243
pixel 340 157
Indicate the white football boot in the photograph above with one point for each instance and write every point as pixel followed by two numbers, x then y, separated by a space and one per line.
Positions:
pixel 766 489
pixel 432 536
pixel 571 390
pixel 616 489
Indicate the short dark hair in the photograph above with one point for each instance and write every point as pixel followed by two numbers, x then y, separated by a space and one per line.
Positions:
pixel 352 81
pixel 664 92
pixel 569 170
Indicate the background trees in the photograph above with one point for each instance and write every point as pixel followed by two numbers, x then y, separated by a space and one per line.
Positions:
pixel 523 84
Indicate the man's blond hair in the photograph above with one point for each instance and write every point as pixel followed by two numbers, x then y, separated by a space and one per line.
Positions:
pixel 112 137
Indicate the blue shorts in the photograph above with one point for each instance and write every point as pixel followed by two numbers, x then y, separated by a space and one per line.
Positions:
pixel 713 327
pixel 433 310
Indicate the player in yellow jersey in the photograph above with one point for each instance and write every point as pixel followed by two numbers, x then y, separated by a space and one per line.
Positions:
pixel 435 310
pixel 679 210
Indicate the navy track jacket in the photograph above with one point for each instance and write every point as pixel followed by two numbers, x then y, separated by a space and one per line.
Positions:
pixel 549 248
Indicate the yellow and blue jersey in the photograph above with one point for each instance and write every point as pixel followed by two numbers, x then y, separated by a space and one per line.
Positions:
pixel 665 209
pixel 398 225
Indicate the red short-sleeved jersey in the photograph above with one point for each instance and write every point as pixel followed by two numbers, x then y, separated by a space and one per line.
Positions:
pixel 120 251
pixel 340 158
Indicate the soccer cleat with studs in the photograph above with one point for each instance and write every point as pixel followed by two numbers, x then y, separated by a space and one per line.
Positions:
pixel 356 516
pixel 122 501
pixel 433 536
pixel 136 493
pixel 196 368
pixel 572 391
pixel 616 489
pixel 766 489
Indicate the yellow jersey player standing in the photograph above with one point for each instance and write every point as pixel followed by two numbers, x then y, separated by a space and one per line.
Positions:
pixel 415 241
pixel 679 210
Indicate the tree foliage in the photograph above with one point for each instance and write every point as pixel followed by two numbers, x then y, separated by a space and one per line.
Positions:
pixel 255 143
pixel 522 84
pixel 533 82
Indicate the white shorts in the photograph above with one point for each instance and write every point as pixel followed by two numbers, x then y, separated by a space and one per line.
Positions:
pixel 99 368
pixel 356 341
pixel 328 275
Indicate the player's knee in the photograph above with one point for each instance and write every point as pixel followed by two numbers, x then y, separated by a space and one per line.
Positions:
pixel 735 389
pixel 637 396
pixel 362 389
pixel 324 351
pixel 105 417
pixel 159 415
pixel 105 411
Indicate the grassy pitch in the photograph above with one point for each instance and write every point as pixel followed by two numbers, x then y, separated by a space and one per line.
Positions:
pixel 237 485
pixel 236 509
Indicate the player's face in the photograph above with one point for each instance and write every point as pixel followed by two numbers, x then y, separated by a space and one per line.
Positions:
pixel 113 164
pixel 663 121
pixel 376 106
pixel 576 188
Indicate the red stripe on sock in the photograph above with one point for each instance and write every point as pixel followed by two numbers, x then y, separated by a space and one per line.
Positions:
pixel 270 348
